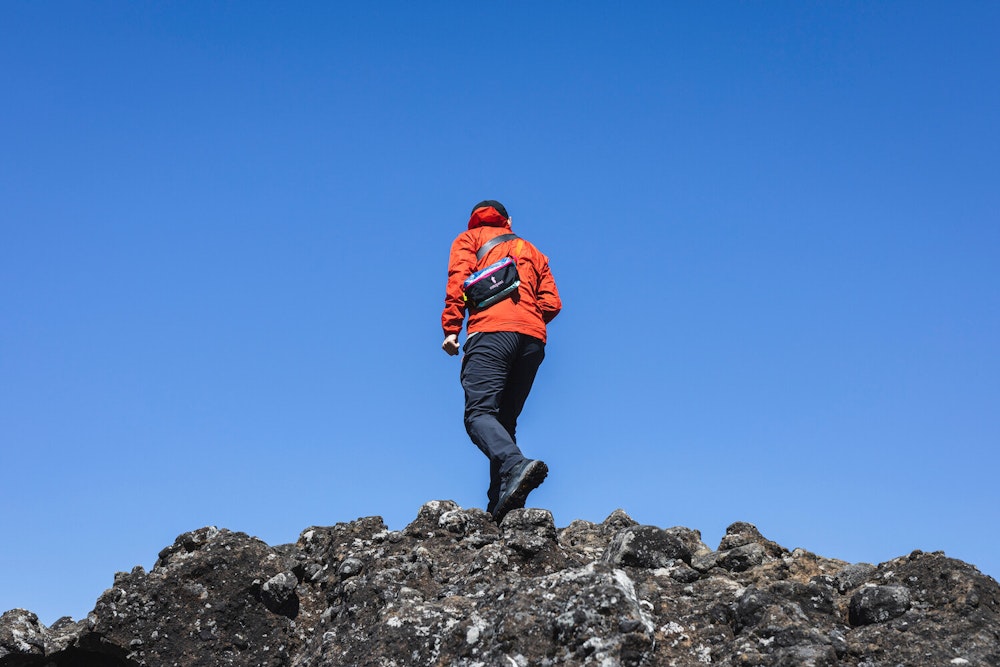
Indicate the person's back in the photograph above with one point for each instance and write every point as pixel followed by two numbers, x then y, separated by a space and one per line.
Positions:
pixel 503 349
pixel 534 305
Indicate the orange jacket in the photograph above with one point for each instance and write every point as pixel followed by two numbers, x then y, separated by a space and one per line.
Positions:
pixel 528 311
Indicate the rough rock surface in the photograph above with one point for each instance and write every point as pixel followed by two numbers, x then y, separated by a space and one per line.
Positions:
pixel 453 588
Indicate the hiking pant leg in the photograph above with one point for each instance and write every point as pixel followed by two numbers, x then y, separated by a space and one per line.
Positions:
pixel 496 484
pixel 530 354
pixel 488 361
pixel 497 373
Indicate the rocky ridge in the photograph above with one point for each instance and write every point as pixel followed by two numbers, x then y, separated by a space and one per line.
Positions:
pixel 453 588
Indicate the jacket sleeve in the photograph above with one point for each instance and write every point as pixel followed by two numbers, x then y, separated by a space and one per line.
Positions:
pixel 461 264
pixel 548 296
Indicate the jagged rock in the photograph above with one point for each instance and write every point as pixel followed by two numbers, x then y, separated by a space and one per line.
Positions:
pixel 278 594
pixel 350 567
pixel 691 539
pixel 453 588
pixel 21 634
pixel 741 558
pixel 705 561
pixel 529 531
pixel 61 635
pixel 878 604
pixel 646 546
pixel 853 576
pixel 203 604
pixel 587 541
pixel 741 534
pixel 952 615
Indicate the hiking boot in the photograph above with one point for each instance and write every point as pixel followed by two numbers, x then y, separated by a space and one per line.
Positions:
pixel 523 479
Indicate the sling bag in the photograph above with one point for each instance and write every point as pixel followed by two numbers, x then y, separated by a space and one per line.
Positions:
pixel 496 282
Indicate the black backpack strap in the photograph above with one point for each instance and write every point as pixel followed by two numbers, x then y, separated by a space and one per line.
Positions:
pixel 492 243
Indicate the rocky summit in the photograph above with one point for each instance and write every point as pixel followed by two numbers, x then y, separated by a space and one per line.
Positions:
pixel 453 588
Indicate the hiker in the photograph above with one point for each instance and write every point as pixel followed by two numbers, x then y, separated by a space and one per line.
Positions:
pixel 505 343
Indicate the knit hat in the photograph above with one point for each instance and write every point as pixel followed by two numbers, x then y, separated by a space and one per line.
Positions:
pixel 488 212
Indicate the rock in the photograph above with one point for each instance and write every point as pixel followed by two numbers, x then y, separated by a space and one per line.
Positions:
pixel 741 548
pixel 683 573
pixel 741 558
pixel 21 634
pixel 529 531
pixel 453 588
pixel 617 520
pixel 853 576
pixel 691 539
pixel 278 594
pixel 428 520
pixel 878 604
pixel 595 615
pixel 705 561
pixel 350 567
pixel 646 546
pixel 203 603
pixel 741 534
pixel 61 635
pixel 585 541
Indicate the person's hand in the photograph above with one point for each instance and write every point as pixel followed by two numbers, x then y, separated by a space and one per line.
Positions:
pixel 450 344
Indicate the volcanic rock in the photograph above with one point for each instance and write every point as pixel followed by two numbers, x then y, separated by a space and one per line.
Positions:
pixel 453 588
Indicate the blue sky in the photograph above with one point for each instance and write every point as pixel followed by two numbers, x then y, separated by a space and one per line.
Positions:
pixel 775 228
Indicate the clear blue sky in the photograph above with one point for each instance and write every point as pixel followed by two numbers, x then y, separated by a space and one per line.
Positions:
pixel 775 227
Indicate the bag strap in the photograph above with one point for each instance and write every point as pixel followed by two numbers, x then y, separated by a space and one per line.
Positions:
pixel 492 243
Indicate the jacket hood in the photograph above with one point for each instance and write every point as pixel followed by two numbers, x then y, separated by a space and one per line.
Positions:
pixel 488 216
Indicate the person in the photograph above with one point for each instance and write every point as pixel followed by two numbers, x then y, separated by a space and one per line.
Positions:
pixel 505 344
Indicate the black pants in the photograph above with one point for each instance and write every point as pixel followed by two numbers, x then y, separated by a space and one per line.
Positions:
pixel 497 373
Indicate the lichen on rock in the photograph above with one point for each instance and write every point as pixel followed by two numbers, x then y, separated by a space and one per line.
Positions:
pixel 453 588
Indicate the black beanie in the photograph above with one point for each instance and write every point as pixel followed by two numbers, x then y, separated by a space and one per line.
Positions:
pixel 494 203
